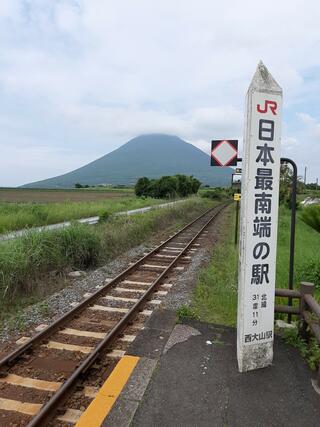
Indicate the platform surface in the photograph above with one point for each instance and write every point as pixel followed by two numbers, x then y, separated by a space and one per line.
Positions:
pixel 196 383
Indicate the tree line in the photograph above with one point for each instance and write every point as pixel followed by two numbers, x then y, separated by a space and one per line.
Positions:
pixel 167 186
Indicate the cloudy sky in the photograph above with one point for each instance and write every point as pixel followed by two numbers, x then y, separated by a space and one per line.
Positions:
pixel 78 78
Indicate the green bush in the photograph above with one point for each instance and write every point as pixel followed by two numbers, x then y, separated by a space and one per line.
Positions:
pixel 186 312
pixel 212 194
pixel 142 186
pixel 309 351
pixel 311 216
pixel 216 193
pixel 167 186
pixel 104 216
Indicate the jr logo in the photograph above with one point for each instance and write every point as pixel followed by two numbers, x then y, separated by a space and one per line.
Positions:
pixel 271 104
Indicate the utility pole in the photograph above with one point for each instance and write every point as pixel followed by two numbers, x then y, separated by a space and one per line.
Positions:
pixel 305 175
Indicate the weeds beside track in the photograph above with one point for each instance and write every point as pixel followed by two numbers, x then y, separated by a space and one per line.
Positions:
pixel 26 262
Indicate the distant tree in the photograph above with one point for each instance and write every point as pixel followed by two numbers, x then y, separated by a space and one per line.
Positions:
pixel 167 187
pixel 142 187
pixel 195 184
pixel 183 185
pixel 312 186
pixel 78 185
pixel 153 189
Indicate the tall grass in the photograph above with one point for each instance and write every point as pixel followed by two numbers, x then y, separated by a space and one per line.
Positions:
pixel 126 232
pixel 26 261
pixel 311 216
pixel 15 216
pixel 215 297
pixel 307 248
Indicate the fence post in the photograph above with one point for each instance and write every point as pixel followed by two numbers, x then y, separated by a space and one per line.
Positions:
pixel 305 288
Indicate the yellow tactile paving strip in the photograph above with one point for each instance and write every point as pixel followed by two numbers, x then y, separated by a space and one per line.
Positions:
pixel 108 394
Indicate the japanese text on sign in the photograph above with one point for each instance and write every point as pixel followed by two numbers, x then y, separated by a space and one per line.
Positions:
pixel 261 273
pixel 259 220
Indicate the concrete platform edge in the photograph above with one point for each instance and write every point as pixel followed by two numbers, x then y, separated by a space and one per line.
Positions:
pixel 149 345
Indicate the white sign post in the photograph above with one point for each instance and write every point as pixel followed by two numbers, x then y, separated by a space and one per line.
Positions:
pixel 259 221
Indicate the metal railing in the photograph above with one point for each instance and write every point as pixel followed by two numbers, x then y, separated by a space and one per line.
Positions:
pixel 308 311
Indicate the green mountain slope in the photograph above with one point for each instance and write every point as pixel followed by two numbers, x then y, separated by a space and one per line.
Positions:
pixel 147 155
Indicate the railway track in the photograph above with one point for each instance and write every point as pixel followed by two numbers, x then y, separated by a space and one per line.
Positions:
pixel 43 380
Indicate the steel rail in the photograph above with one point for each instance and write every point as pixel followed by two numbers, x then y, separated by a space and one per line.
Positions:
pixel 46 411
pixel 15 354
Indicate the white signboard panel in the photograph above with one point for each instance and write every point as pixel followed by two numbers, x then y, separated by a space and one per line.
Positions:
pixel 259 220
pixel 224 152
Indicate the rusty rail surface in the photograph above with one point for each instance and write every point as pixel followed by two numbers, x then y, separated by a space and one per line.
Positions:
pixel 308 311
pixel 60 395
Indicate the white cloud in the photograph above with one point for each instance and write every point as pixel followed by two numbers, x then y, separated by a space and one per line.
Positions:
pixel 15 163
pixel 9 9
pixel 67 16
pixel 202 122
pixel 107 71
pixel 312 125
pixel 289 143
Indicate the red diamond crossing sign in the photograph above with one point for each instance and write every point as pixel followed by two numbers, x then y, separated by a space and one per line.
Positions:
pixel 224 152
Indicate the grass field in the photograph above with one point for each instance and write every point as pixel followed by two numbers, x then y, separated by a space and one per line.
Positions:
pixel 215 297
pixel 26 263
pixel 16 216
pixel 26 195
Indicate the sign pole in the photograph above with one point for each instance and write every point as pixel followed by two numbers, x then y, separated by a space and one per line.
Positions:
pixel 293 224
pixel 237 222
pixel 259 222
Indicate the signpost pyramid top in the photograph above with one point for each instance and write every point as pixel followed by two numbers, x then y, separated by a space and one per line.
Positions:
pixel 263 80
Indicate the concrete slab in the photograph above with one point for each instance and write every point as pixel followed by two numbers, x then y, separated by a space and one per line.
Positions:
pixel 162 319
pixel 151 340
pixel 197 383
pixel 180 334
pixel 121 414
pixel 136 386
pixel 149 343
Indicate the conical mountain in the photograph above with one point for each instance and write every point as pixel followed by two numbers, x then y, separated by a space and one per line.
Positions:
pixel 146 155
